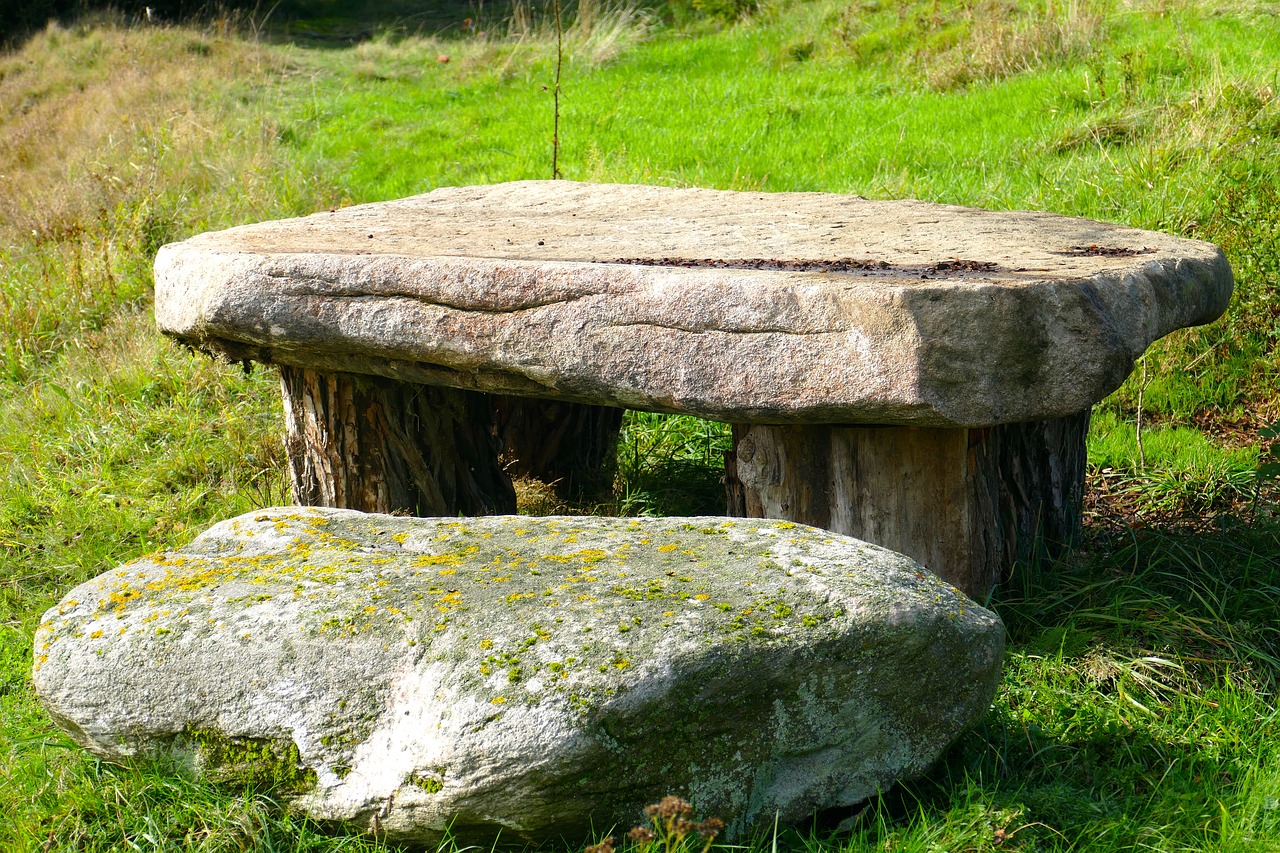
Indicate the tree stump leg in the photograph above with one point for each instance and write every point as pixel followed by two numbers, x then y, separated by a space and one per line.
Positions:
pixel 967 503
pixel 376 445
pixel 569 446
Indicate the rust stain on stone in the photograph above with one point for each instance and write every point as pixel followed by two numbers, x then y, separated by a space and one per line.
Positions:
pixel 952 265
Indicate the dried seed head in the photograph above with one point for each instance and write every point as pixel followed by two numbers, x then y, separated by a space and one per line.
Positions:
pixel 711 827
pixel 641 834
pixel 605 846
pixel 669 807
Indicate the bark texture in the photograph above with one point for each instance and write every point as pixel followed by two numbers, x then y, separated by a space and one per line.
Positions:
pixel 967 503
pixel 567 445
pixel 360 442
pixel 1034 476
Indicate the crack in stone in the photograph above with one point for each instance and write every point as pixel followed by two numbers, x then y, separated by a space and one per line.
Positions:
pixel 316 290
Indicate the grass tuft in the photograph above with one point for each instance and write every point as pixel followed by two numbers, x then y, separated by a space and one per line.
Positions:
pixel 671 465
pixel 952 45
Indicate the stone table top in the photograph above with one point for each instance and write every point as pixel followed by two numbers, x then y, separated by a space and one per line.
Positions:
pixel 742 307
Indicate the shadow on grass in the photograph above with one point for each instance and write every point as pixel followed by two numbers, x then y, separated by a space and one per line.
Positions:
pixel 1137 711
pixel 336 23
pixel 1210 598
pixel 1117 786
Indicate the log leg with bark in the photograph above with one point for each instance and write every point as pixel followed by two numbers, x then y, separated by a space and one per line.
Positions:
pixel 569 446
pixel 967 503
pixel 377 445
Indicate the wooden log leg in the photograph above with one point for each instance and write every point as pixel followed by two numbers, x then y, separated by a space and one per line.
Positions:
pixel 967 503
pixel 1034 472
pixel 377 445
pixel 569 446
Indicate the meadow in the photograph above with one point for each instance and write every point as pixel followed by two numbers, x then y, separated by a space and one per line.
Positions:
pixel 1139 706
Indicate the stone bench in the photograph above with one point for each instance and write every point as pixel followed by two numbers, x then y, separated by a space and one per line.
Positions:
pixel 522 678
pixel 916 375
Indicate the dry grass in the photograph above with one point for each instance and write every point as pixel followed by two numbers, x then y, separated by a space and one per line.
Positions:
pixel 960 43
pixel 94 132
pixel 1002 39
pixel 121 139
pixel 534 497
pixel 596 34
pixel 601 33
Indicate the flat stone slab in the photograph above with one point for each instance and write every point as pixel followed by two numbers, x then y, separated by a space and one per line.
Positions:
pixel 743 307
pixel 524 676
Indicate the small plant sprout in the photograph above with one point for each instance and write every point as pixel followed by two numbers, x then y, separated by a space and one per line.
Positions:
pixel 1269 459
pixel 673 829
pixel 605 846
pixel 555 131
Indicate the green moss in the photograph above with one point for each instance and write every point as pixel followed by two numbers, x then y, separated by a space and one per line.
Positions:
pixel 352 722
pixel 252 764
pixel 432 782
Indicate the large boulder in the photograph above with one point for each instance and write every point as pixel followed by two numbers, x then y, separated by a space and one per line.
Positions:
pixel 523 676
pixel 734 306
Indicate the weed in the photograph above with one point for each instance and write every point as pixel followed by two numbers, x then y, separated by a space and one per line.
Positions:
pixel 555 133
pixel 671 465
pixel 671 830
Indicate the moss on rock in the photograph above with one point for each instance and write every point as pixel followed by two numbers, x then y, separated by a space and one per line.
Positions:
pixel 248 763
pixel 523 675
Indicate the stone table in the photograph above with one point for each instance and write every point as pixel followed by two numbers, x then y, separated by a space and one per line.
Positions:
pixel 917 375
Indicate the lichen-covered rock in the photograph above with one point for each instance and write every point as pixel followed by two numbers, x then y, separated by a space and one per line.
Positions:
pixel 529 676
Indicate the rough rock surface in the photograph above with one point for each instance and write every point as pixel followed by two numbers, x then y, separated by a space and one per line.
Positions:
pixel 533 676
pixel 881 312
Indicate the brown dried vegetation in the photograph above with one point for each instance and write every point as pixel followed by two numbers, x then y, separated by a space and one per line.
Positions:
pixel 118 141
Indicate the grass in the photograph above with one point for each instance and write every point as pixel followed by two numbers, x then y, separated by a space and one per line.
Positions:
pixel 1139 704
pixel 1173 469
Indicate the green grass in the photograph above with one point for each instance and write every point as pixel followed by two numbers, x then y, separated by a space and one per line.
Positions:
pixel 1172 469
pixel 671 465
pixel 1139 704
pixel 1169 122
